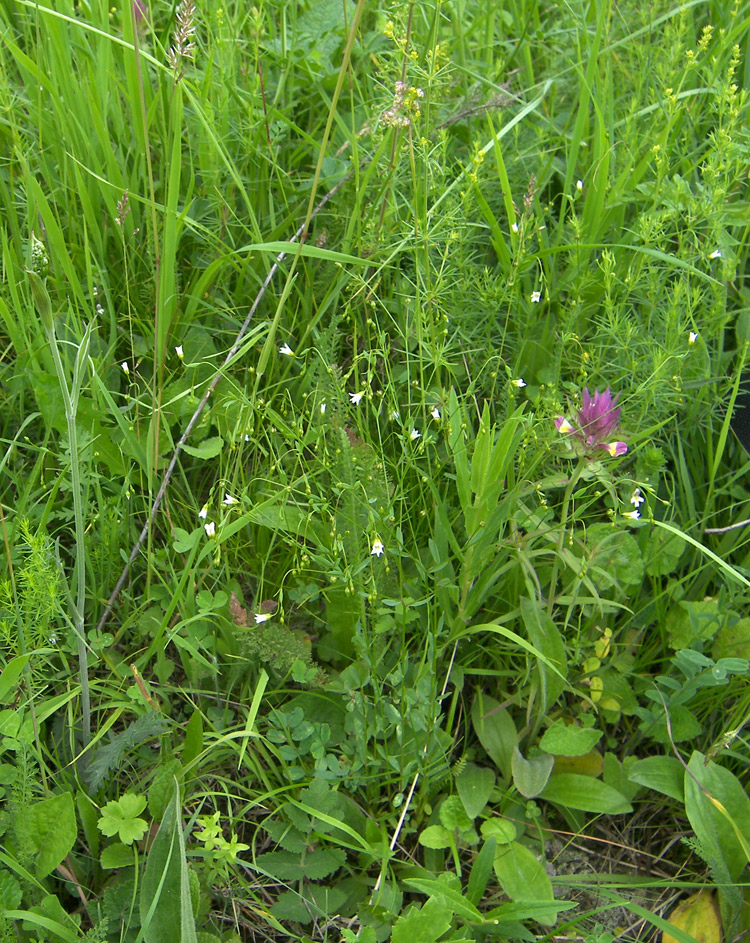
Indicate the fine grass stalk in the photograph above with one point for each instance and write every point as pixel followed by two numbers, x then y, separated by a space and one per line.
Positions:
pixel 71 395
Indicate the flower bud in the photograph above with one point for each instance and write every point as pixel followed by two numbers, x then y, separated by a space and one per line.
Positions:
pixel 38 258
pixel 41 299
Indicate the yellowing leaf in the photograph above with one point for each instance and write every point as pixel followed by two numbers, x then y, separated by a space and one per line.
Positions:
pixel 609 704
pixel 591 764
pixel 698 916
pixel 733 641
pixel 602 646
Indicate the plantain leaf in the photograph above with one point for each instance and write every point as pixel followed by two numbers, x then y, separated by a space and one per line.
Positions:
pixel 165 901
pixel 523 877
pixel 474 785
pixel 662 773
pixel 496 731
pixel 531 776
pixel 582 792
pixel 51 826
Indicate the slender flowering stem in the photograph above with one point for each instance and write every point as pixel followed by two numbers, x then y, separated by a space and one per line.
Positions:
pixel 561 539
pixel 70 401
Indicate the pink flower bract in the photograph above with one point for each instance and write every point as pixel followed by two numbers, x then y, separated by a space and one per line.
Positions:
pixel 597 421
pixel 598 418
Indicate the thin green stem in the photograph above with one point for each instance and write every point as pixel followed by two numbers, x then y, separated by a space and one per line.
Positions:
pixel 561 539
pixel 70 400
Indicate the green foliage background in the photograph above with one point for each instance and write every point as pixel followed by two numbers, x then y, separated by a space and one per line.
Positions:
pixel 390 634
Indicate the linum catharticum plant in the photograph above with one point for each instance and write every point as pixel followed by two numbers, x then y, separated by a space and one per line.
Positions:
pixel 70 389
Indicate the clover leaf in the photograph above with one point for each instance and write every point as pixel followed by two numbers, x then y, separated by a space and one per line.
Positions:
pixel 120 817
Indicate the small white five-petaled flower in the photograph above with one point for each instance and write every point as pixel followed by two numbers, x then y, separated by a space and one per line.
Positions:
pixel 692 337
pixel 393 415
pixel 716 254
pixel 377 548
pixel 323 409
pixel 286 350
pixel 520 383
pixel 125 368
pixel 435 413
pixel 356 398
pixel 229 499
pixel 579 185
pixel 210 529
pixel 415 434
pixel 536 296
pixel 180 352
pixel 514 227
pixel 261 617
pixel 637 499
pixel 203 513
pixel 633 515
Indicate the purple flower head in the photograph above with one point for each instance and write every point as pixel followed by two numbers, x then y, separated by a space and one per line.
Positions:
pixel 140 12
pixel 597 422
pixel 598 417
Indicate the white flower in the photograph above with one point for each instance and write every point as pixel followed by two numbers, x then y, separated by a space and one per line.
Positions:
pixel 579 185
pixel 536 296
pixel 203 513
pixel 393 415
pixel 435 413
pixel 125 368
pixel 415 434
pixel 210 529
pixel 286 350
pixel 261 617
pixel 377 548
pixel 247 437
pixel 323 409
pixel 99 309
pixel 633 515
pixel 514 227
pixel 692 337
pixel 637 499
pixel 180 352
pixel 229 500
pixel 520 383
pixel 716 254
pixel 356 398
